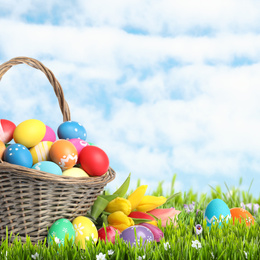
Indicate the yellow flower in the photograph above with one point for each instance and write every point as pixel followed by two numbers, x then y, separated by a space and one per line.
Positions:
pixel 119 220
pixel 119 204
pixel 136 197
pixel 150 202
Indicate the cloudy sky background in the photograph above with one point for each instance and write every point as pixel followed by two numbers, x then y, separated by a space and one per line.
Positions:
pixel 162 87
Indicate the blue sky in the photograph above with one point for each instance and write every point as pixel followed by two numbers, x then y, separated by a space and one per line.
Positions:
pixel 163 87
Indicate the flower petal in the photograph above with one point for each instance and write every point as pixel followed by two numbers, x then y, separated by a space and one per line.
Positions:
pixel 150 202
pixel 119 204
pixel 165 215
pixel 119 220
pixel 136 197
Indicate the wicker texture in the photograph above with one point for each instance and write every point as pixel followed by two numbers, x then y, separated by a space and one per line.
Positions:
pixel 32 200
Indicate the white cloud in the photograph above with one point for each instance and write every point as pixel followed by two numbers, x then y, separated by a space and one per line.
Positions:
pixel 168 17
pixel 196 113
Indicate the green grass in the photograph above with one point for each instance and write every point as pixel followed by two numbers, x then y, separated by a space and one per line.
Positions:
pixel 229 242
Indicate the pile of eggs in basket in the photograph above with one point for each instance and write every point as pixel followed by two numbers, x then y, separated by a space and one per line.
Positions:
pixel 36 147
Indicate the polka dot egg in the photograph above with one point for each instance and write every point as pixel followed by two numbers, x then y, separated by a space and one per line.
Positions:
pixel 71 129
pixel 85 230
pixel 135 234
pixel 18 154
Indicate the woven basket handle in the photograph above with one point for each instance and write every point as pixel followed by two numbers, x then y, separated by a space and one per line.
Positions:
pixel 54 82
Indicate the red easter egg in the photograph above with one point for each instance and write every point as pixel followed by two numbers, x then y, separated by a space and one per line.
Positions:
pixel 64 154
pixel 242 214
pixel 108 234
pixel 6 130
pixel 2 149
pixel 94 160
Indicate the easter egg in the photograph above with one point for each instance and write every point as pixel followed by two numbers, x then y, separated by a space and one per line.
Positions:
pixel 242 214
pixel 49 135
pixel 71 129
pixel 59 230
pixel 157 232
pixel 30 132
pixel 64 154
pixel 94 160
pixel 75 172
pixel 217 211
pixel 108 234
pixel 40 152
pixel 47 166
pixel 128 235
pixel 6 130
pixel 18 154
pixel 85 229
pixel 2 149
pixel 79 144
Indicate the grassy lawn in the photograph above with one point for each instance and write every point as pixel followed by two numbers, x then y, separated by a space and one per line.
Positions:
pixel 180 242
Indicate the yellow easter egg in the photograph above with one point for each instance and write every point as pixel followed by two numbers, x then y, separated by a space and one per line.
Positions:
pixel 29 133
pixel 75 172
pixel 40 152
pixel 85 229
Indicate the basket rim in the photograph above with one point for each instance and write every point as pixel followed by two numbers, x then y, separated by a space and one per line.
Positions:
pixel 34 174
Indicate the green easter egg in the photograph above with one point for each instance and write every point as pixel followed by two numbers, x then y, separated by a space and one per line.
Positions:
pixel 59 230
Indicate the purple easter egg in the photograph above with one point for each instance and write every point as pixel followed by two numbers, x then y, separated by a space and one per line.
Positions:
pixel 157 232
pixel 49 135
pixel 79 144
pixel 128 235
pixel 18 154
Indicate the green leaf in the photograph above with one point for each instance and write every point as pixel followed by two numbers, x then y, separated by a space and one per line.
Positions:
pixel 172 196
pixel 98 207
pixel 153 216
pixel 121 191
pixel 104 219
pixel 215 190
pixel 140 220
pixel 109 197
pixel 250 186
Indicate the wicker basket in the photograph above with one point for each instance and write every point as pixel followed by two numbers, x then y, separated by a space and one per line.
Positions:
pixel 31 200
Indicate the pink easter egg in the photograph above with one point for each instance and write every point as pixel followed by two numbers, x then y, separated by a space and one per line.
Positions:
pixel 6 130
pixel 79 144
pixel 49 135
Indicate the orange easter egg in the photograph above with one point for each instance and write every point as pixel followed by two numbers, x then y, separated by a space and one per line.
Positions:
pixel 64 153
pixel 240 214
pixel 2 149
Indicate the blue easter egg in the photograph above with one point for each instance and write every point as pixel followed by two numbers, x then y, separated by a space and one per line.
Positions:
pixel 217 211
pixel 47 166
pixel 71 129
pixel 18 154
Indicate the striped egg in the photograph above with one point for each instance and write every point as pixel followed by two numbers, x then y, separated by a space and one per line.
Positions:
pixel 40 152
pixel 6 130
